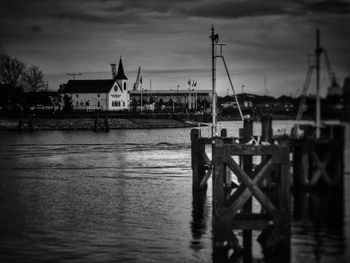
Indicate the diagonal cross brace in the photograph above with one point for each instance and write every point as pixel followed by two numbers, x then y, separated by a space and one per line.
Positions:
pixel 321 169
pixel 242 194
pixel 252 184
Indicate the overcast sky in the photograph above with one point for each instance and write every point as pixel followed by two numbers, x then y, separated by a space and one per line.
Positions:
pixel 265 40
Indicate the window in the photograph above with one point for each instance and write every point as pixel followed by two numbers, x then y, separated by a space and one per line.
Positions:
pixel 98 95
pixel 87 103
pixel 123 103
pixel 124 85
pixel 77 95
pixel 77 103
pixel 98 104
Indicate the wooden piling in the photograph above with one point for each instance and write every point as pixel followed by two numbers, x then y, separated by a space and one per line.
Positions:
pixel 319 163
pixel 247 164
pixel 101 125
pixel 235 211
pixel 201 166
pixel 266 128
pixel 268 182
pixel 26 124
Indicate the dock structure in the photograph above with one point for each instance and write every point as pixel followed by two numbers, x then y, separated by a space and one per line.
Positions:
pixel 252 179
pixel 265 172
pixel 101 124
pixel 235 182
pixel 25 124
pixel 319 163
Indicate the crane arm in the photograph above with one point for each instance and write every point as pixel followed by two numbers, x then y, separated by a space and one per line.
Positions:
pixel 332 78
pixel 301 108
pixel 136 84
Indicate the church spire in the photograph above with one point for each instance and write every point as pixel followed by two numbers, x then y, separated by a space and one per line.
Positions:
pixel 120 74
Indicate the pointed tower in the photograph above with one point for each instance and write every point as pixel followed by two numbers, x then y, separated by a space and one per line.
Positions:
pixel 120 77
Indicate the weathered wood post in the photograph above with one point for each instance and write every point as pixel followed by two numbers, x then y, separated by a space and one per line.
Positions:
pixel 319 162
pixel 106 122
pixel 26 124
pixel 198 163
pixel 96 122
pixel 223 235
pixel 266 128
pixel 247 164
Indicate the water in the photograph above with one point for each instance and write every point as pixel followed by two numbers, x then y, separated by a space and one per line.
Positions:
pixel 126 196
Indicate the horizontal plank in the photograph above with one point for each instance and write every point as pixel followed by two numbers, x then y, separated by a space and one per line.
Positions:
pixel 252 221
pixel 256 224
pixel 280 154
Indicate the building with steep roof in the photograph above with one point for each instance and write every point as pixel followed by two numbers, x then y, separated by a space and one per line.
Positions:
pixel 113 95
pixel 100 94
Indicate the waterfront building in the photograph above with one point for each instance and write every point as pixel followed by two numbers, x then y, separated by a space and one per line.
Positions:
pixel 170 100
pixel 115 95
pixel 100 94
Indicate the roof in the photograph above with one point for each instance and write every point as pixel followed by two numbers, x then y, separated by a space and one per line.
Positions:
pixel 89 86
pixel 120 74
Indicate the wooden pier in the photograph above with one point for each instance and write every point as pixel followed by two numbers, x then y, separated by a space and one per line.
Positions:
pixel 101 124
pixel 237 180
pixel 319 163
pixel 25 124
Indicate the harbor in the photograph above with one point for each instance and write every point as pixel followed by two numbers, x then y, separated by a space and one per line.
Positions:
pixel 158 131
pixel 126 195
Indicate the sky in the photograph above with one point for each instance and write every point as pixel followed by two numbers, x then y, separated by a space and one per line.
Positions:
pixel 267 42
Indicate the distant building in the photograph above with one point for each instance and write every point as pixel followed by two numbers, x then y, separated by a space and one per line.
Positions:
pixel 100 94
pixel 170 100
pixel 114 95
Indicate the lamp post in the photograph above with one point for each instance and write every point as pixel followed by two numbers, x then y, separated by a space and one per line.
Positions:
pixel 172 99
pixel 141 99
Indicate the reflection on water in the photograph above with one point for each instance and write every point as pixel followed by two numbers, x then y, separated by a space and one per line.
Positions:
pixel 126 196
pixel 318 232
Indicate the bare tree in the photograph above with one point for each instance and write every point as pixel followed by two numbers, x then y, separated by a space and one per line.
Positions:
pixel 33 79
pixel 11 70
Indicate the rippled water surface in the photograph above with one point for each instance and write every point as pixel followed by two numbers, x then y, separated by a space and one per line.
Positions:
pixel 126 196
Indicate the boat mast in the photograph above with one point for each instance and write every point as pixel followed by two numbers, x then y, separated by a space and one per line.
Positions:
pixel 318 52
pixel 213 74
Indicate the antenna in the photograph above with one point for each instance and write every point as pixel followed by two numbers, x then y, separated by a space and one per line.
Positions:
pixel 74 74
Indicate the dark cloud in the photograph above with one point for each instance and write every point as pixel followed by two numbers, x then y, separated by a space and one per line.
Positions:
pixel 231 9
pixel 128 11
pixel 329 6
pixel 256 8
pixel 35 29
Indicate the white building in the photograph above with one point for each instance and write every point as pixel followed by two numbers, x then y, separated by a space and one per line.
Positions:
pixel 103 94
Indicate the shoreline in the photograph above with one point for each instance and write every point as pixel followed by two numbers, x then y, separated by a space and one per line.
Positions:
pixel 71 124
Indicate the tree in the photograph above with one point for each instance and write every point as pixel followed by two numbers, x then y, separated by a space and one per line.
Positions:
pixel 33 79
pixel 11 70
